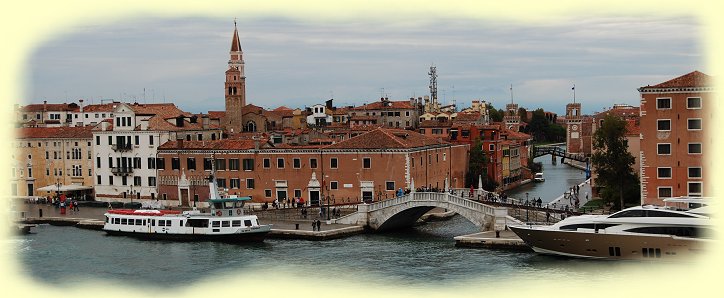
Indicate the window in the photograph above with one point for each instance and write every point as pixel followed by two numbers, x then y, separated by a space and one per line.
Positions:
pixel 313 163
pixel 390 185
pixel 695 189
pixel 267 193
pixel 248 164
pixel 175 163
pixel 207 164
pixel 151 181
pixel 233 164
pixel 694 172
pixel 98 180
pixel 664 173
pixel 250 183
pixel 663 125
pixel 297 163
pixel 663 103
pixel 98 162
pixel 491 147
pixel 694 148
pixel 693 103
pixel 366 163
pixel 234 182
pixel 110 140
pixel 151 163
pixel 124 180
pixel 150 140
pixel 137 140
pixel 136 181
pixel 664 192
pixel 694 124
pixel 191 163
pixel 136 162
pixel 297 193
pixel 110 180
pixel 221 164
pixel 160 163
pixel 98 140
pixel 333 184
pixel 221 182
pixel 333 163
pixel 280 163
pixel 267 163
pixel 663 149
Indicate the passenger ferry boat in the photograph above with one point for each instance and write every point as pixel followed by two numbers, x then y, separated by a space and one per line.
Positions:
pixel 225 222
pixel 538 177
pixel 637 233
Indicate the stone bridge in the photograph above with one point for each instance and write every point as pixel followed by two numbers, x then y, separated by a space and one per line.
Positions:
pixel 557 151
pixel 404 211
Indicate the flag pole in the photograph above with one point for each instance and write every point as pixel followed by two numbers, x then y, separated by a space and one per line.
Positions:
pixel 574 93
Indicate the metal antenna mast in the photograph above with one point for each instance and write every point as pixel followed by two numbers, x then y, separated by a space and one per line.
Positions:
pixel 433 84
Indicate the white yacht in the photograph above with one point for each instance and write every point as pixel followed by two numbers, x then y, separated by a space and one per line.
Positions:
pixel 642 232
pixel 225 222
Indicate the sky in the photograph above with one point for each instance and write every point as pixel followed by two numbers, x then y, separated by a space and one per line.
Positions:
pixel 298 63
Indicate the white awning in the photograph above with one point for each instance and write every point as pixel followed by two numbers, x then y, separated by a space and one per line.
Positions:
pixel 71 187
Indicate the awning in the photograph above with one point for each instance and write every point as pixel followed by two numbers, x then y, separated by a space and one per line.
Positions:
pixel 71 187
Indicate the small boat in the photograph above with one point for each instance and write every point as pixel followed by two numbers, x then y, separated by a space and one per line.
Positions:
pixel 538 177
pixel 226 222
pixel 636 233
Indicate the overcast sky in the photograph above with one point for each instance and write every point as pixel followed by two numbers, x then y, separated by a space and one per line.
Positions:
pixel 296 63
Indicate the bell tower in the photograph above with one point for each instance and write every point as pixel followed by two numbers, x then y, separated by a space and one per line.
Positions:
pixel 574 119
pixel 235 86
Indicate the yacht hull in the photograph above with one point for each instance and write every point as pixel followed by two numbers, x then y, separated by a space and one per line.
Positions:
pixel 610 246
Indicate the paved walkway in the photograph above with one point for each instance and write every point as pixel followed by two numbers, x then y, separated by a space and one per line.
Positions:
pixel 583 195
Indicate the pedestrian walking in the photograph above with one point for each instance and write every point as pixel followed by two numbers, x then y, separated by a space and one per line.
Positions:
pixel 314 226
pixel 319 225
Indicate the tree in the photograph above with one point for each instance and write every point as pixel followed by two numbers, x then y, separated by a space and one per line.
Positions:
pixel 478 162
pixel 613 163
pixel 495 115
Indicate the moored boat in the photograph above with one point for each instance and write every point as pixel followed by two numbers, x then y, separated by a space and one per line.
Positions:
pixel 636 233
pixel 538 177
pixel 226 222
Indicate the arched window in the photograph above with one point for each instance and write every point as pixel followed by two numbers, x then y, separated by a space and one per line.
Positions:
pixel 251 126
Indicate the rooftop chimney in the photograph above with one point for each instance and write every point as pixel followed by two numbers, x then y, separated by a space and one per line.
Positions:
pixel 81 105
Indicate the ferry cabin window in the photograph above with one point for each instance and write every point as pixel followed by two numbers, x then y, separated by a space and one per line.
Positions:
pixel 197 223
pixel 247 223
pixel 218 205
pixel 117 221
pixel 139 222
pixel 215 224
pixel 225 224
pixel 124 221
pixel 238 204
pixel 236 223
pixel 161 223
pixel 228 205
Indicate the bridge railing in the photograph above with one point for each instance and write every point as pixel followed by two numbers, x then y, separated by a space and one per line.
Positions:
pixel 434 197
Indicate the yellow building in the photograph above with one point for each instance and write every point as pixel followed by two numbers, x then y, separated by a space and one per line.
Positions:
pixel 52 156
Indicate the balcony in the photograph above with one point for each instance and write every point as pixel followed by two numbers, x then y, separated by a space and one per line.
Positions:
pixel 121 147
pixel 123 171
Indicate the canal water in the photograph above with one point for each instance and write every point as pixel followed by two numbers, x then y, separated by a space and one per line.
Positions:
pixel 421 256
pixel 559 178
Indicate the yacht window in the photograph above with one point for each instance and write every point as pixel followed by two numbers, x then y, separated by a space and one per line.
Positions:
pixel 657 213
pixel 236 223
pixel 225 224
pixel 247 223
pixel 215 224
pixel 628 213
pixel 586 226
pixel 693 232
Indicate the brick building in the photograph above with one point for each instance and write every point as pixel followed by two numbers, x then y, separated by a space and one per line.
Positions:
pixel 674 118
pixel 370 166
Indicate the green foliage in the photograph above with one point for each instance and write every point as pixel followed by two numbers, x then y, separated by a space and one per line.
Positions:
pixel 478 161
pixel 542 130
pixel 523 114
pixel 613 164
pixel 495 115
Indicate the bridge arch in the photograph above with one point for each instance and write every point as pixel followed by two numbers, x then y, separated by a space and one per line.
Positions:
pixel 405 211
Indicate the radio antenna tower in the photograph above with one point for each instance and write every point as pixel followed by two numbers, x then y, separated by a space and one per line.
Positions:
pixel 433 84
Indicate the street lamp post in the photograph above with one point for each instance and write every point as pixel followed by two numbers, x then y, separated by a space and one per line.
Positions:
pixel 327 207
pixel 526 208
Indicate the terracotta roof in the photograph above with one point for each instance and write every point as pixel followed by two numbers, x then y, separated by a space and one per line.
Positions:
pixel 381 138
pixel 106 107
pixel 51 107
pixel 692 79
pixel 435 123
pixel 378 105
pixel 217 114
pixel 516 135
pixel 165 110
pixel 632 127
pixel 81 132
pixel 467 117
pixel 621 112
pixel 224 144
pixel 284 111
